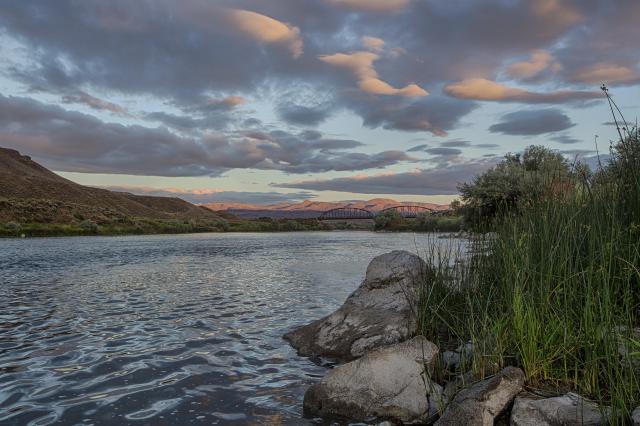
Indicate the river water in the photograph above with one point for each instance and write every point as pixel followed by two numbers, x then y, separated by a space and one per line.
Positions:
pixel 170 330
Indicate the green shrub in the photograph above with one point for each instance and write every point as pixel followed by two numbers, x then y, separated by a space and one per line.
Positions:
pixel 89 225
pixel 515 182
pixel 387 219
pixel 13 226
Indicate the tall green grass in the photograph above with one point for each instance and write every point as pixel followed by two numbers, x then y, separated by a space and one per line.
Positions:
pixel 555 289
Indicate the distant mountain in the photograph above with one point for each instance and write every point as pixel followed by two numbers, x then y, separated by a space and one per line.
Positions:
pixel 22 180
pixel 309 209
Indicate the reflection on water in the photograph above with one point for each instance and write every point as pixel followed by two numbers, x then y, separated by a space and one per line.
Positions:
pixel 169 329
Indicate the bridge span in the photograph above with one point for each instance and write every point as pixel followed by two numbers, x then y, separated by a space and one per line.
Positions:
pixel 346 213
pixel 354 213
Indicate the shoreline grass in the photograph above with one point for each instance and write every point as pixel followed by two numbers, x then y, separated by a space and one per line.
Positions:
pixel 554 288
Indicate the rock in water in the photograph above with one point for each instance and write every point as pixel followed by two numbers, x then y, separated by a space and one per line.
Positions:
pixel 481 403
pixel 389 382
pixel 378 313
pixel 566 410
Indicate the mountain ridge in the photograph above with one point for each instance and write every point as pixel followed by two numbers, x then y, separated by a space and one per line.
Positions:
pixel 309 209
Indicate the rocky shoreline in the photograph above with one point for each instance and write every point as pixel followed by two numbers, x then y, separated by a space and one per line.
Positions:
pixel 386 371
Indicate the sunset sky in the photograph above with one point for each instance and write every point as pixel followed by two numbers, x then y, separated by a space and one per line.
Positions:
pixel 265 101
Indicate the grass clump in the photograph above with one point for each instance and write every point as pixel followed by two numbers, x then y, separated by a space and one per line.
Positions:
pixel 554 287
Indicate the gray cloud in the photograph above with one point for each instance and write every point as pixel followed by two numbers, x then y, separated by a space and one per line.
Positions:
pixel 80 97
pixel 441 180
pixel 418 148
pixel 564 139
pixel 304 115
pixel 433 114
pixel 443 151
pixel 72 141
pixel 455 144
pixel 532 122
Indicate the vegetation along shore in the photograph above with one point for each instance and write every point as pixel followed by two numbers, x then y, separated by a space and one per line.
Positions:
pixel 537 324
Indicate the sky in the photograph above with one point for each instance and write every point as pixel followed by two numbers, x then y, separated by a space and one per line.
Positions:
pixel 258 101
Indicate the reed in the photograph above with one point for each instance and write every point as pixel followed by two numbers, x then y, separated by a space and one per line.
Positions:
pixel 554 288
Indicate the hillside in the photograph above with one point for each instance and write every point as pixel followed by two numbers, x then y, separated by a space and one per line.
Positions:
pixel 32 192
pixel 310 209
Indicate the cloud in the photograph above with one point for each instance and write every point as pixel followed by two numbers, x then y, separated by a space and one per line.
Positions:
pixel 418 148
pixel 76 142
pixel 486 90
pixel 560 12
pixel 361 65
pixel 539 61
pixel 444 151
pixel 267 30
pixel 374 44
pixel 216 104
pixel 183 53
pixel 435 114
pixel 304 115
pixel 441 180
pixel 565 139
pixel 205 196
pixel 606 73
pixel 372 5
pixel 80 97
pixel 456 143
pixel 532 122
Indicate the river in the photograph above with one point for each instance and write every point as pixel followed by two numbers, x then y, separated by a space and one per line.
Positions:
pixel 170 330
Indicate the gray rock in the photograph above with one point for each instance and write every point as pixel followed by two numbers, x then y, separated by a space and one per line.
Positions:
pixel 481 403
pixel 451 360
pixel 389 383
pixel 635 416
pixel 378 313
pixel 566 410
pixel 461 357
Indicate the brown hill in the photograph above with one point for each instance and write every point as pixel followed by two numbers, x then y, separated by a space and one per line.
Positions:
pixel 309 209
pixel 23 179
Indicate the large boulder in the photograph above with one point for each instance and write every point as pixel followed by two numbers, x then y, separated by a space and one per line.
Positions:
pixel 566 410
pixel 481 403
pixel 379 313
pixel 389 383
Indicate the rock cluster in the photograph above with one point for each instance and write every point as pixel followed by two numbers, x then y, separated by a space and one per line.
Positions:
pixel 387 370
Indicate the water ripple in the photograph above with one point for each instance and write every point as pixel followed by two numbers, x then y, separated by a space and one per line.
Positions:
pixel 168 329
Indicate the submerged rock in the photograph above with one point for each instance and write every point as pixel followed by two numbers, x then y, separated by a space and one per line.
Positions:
pixel 389 383
pixel 566 410
pixel 378 313
pixel 481 403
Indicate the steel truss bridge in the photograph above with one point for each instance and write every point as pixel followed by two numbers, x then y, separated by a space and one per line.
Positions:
pixel 353 213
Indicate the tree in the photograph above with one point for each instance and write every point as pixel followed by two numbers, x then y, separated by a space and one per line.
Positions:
pixel 516 181
pixel 386 219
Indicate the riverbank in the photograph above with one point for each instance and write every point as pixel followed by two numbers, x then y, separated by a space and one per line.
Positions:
pixel 145 226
